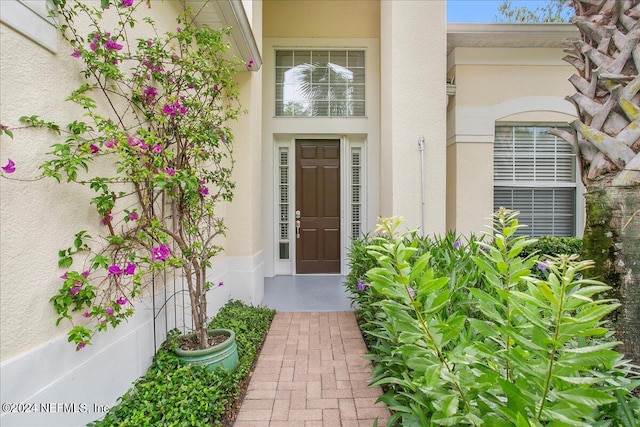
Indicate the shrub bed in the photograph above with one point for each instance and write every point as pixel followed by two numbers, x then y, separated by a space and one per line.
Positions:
pixel 462 333
pixel 172 393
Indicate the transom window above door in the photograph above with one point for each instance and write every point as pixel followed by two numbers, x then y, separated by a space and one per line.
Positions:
pixel 320 83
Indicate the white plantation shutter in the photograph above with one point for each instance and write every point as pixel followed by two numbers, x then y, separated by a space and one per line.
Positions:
pixel 356 192
pixel 283 192
pixel 534 173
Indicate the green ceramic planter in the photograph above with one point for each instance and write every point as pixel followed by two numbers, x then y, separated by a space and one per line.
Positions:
pixel 223 355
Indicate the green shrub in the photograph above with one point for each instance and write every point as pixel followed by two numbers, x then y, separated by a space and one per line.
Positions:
pixel 554 246
pixel 172 393
pixel 491 346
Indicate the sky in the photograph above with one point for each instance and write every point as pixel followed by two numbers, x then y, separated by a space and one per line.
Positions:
pixel 481 10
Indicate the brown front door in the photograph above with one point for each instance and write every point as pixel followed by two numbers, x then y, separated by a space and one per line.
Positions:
pixel 318 201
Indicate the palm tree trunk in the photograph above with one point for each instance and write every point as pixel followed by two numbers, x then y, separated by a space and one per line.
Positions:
pixel 612 240
pixel 607 139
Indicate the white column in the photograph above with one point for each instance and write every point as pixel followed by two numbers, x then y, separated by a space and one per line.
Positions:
pixel 413 103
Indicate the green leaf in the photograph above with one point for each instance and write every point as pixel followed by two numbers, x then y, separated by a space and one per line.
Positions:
pixel 586 397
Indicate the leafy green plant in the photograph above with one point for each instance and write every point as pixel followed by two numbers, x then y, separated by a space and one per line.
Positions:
pixel 495 346
pixel 172 393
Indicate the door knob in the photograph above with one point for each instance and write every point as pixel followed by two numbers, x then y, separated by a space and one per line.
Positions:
pixel 297 214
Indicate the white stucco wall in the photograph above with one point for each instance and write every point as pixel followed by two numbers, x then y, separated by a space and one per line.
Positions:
pixel 413 103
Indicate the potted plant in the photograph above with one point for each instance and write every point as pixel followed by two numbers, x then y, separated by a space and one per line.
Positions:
pixel 155 148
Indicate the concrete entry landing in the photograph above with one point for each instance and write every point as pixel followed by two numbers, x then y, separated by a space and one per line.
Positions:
pixel 316 293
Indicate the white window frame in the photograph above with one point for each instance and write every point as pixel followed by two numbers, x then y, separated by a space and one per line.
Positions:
pixel 577 207
pixel 288 266
pixel 31 19
pixel 327 50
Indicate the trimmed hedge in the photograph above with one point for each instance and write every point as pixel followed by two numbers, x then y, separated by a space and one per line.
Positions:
pixel 173 394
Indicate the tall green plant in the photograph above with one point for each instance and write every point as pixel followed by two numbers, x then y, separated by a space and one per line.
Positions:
pixel 517 350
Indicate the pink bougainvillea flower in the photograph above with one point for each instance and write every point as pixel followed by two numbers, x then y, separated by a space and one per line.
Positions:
pixel 143 145
pixel 133 216
pixel 160 253
pixel 130 268
pixel 122 301
pixel 149 94
pixel 133 142
pixel 86 314
pixel 250 63
pixel 150 91
pixel 157 149
pixel 215 87
pixel 64 276
pixel 149 43
pixel 93 46
pixel 85 273
pixel 221 284
pixel 114 270
pixel 107 219
pixel 179 29
pixel 110 143
pixel 109 311
pixel 112 45
pixel 168 110
pixel 74 290
pixel 203 190
pixel 94 148
pixel 10 167
pixel 76 53
pixel 170 171
pixel 127 3
pixel 81 345
pixel 190 86
pixel 97 37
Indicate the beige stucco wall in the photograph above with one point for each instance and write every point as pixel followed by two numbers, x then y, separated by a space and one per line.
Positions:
pixel 523 85
pixel 244 217
pixel 321 18
pixel 413 104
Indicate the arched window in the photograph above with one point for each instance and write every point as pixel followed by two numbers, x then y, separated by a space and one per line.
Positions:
pixel 534 172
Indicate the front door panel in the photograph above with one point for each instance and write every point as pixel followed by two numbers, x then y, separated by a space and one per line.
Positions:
pixel 318 201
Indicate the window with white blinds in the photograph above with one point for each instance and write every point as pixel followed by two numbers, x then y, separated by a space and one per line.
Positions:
pixel 320 83
pixel 535 173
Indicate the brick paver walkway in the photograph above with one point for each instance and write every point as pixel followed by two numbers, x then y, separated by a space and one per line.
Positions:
pixel 311 373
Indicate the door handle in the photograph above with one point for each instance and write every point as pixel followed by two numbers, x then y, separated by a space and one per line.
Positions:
pixel 298 229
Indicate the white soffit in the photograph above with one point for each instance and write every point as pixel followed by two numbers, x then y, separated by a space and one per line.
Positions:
pixel 229 13
pixel 508 35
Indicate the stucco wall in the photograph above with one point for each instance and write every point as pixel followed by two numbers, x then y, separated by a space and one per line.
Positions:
pixel 413 104
pixel 523 85
pixel 322 18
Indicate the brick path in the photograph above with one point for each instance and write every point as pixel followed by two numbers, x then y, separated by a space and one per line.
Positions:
pixel 311 373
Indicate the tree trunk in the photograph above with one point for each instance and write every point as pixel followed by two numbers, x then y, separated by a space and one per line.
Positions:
pixel 607 139
pixel 612 240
